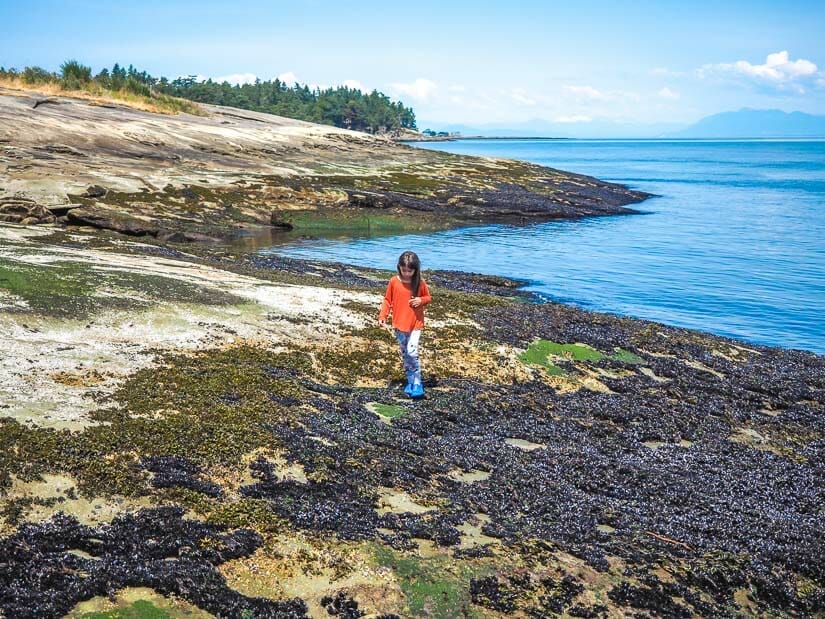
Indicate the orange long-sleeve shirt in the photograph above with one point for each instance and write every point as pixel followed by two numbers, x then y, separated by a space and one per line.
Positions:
pixel 397 300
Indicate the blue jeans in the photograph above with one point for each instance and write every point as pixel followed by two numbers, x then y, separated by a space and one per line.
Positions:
pixel 408 343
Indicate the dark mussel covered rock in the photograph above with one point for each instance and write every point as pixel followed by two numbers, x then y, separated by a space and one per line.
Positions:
pixel 47 568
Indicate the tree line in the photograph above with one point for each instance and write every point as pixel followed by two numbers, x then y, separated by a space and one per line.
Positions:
pixel 343 107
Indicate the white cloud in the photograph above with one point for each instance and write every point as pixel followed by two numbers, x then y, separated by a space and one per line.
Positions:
pixel 667 93
pixel 288 78
pixel 354 85
pixel 420 89
pixel 237 78
pixel 576 118
pixel 586 92
pixel 778 70
pixel 457 88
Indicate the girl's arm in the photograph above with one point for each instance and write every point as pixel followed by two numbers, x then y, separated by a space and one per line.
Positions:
pixel 386 304
pixel 424 293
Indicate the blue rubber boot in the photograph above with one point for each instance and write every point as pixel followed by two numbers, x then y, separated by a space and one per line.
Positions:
pixel 408 388
pixel 417 391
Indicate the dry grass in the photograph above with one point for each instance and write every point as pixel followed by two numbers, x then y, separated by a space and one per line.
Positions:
pixel 158 104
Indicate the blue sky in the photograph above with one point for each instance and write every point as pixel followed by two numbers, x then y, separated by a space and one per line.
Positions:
pixel 571 63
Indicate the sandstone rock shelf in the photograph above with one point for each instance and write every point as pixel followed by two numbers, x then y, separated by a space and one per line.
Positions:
pixel 198 177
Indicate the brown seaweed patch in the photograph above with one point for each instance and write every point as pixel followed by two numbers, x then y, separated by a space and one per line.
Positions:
pixel 85 378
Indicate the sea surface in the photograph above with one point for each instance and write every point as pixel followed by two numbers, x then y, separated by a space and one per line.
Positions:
pixel 734 244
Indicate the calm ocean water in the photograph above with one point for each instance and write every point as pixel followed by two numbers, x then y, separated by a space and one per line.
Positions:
pixel 734 245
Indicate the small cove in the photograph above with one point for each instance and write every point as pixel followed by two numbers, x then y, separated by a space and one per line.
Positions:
pixel 732 244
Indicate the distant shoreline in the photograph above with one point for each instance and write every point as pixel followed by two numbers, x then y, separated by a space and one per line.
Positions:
pixel 456 138
pixel 648 139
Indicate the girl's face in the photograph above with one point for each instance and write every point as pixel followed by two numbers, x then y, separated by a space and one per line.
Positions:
pixel 406 273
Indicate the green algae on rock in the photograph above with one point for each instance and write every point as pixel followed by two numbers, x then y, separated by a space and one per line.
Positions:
pixel 386 411
pixel 136 603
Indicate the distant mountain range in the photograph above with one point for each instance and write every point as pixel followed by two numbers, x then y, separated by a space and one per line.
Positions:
pixel 744 123
pixel 748 123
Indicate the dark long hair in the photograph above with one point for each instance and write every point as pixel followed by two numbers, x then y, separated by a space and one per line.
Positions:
pixel 410 260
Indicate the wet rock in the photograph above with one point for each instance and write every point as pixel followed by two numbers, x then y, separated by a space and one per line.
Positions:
pixel 96 191
pixel 387 199
pixel 516 204
pixel 479 283
pixel 172 236
pixel 178 236
pixel 276 220
pixel 87 216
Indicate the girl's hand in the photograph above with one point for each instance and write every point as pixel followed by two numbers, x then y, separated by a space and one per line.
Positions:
pixel 415 302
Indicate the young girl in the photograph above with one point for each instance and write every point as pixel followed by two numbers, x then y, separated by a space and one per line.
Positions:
pixel 406 296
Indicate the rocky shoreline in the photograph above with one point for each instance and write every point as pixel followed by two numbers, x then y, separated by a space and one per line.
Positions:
pixel 193 428
pixel 193 178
